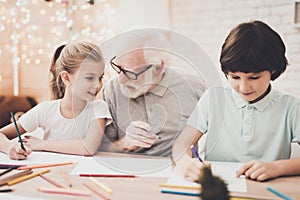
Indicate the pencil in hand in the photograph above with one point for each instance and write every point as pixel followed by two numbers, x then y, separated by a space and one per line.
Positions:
pixel 213 187
pixel 18 132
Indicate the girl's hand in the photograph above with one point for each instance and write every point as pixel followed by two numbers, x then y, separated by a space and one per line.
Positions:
pixel 258 170
pixel 194 169
pixel 33 142
pixel 17 153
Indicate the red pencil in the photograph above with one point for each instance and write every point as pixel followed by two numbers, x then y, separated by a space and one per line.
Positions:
pixel 51 181
pixel 109 175
pixel 44 165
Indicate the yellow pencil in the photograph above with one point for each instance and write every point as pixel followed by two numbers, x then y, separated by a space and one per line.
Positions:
pixel 180 186
pixel 69 183
pixel 24 178
pixel 95 190
pixel 101 185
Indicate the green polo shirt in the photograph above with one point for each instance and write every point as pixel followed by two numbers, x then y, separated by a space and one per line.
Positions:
pixel 237 131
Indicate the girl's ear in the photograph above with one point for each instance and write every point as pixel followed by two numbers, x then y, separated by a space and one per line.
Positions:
pixel 65 77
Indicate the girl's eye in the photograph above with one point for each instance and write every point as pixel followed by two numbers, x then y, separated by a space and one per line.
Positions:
pixel 90 78
pixel 255 77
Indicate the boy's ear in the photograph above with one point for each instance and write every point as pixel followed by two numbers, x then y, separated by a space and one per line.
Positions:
pixel 65 77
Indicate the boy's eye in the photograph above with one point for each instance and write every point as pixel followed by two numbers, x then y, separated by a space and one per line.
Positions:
pixel 235 77
pixel 254 77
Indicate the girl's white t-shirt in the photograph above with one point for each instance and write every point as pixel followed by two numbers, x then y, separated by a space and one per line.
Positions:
pixel 47 116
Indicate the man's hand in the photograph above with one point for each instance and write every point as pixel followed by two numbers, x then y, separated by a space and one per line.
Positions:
pixel 138 135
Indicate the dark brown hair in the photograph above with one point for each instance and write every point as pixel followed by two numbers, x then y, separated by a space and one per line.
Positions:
pixel 253 47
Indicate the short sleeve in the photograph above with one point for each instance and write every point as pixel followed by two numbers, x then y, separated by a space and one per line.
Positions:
pixel 296 123
pixel 199 117
pixel 31 119
pixel 102 111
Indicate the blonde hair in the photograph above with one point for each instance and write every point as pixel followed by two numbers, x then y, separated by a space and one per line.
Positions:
pixel 69 58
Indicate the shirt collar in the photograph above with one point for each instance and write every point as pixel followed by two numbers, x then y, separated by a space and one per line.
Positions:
pixel 260 105
pixel 164 83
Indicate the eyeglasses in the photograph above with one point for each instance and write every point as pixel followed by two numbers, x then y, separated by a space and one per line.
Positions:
pixel 129 74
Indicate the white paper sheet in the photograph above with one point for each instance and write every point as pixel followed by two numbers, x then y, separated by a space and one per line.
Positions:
pixel 12 196
pixel 226 171
pixel 41 158
pixel 144 167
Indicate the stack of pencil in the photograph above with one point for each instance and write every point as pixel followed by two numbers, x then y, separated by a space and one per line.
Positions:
pixel 9 179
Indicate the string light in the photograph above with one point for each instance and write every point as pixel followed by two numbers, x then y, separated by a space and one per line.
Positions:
pixel 64 19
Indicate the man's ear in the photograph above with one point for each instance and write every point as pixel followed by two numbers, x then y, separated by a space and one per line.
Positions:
pixel 65 77
pixel 159 68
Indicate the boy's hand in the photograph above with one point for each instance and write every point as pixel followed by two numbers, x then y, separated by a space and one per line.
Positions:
pixel 194 169
pixel 258 170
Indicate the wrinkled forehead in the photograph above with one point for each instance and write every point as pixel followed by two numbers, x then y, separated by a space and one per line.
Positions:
pixel 132 60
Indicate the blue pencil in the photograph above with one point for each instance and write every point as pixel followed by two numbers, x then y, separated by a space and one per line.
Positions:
pixel 180 193
pixel 279 194
pixel 18 132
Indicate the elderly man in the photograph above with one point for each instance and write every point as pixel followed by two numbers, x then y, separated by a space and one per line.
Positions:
pixel 149 101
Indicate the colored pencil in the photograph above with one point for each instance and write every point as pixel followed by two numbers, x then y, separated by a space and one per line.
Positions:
pixel 27 177
pixel 6 171
pixel 101 185
pixel 66 178
pixel 5 180
pixel 64 191
pixel 6 190
pixel 18 132
pixel 180 186
pixel 44 165
pixel 279 194
pixel 180 193
pixel 6 166
pixel 51 181
pixel 108 175
pixel 196 153
pixel 100 194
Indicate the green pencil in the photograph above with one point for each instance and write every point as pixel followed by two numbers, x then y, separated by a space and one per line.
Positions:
pixel 18 132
